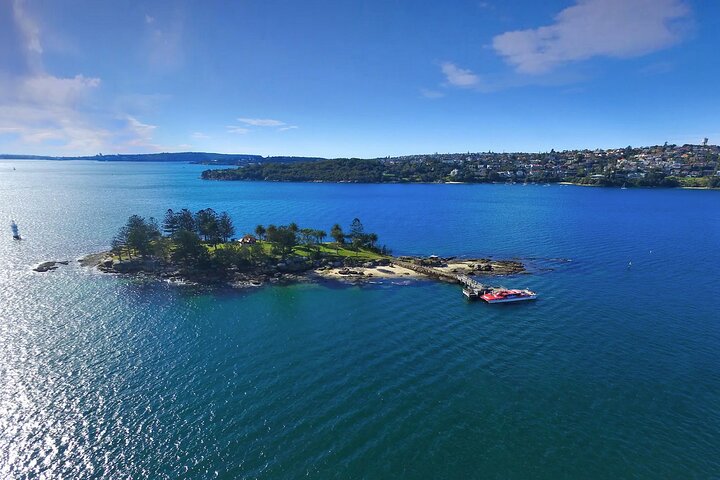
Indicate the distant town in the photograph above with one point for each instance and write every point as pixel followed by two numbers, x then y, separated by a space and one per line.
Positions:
pixel 663 165
pixel 690 166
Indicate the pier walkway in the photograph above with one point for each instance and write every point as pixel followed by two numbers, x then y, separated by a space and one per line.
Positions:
pixel 475 287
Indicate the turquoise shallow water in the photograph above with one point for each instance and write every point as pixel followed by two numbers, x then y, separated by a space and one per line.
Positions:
pixel 613 373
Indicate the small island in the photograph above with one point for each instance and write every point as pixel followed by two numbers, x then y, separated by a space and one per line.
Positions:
pixel 201 248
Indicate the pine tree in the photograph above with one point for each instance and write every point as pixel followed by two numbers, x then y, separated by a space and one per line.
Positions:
pixel 170 223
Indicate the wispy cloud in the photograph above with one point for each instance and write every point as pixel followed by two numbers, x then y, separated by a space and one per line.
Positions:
pixel 591 28
pixel 164 40
pixel 143 131
pixel 50 90
pixel 279 125
pixel 238 130
pixel 199 136
pixel 27 26
pixel 431 94
pixel 261 122
pixel 459 77
pixel 41 111
pixel 30 31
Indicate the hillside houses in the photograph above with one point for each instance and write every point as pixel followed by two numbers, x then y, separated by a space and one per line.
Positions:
pixel 611 165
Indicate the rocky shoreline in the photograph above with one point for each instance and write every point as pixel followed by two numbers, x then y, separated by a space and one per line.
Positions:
pixel 300 269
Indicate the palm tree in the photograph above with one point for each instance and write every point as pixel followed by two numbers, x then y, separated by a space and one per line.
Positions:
pixel 372 238
pixel 260 232
pixel 338 235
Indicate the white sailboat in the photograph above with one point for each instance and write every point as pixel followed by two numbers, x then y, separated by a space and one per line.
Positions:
pixel 15 231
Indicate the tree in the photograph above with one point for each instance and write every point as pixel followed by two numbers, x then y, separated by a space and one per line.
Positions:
pixel 189 250
pixel 356 229
pixel 119 242
pixel 207 225
pixel 260 232
pixel 170 223
pixel 307 235
pixel 357 243
pixel 372 239
pixel 225 227
pixel 140 233
pixel 282 238
pixel 162 247
pixel 186 221
pixel 232 256
pixel 337 234
pixel 271 230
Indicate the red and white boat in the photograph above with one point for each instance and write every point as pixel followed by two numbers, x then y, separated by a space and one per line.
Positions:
pixel 505 296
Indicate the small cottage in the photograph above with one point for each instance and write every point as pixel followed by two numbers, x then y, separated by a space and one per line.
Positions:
pixel 248 239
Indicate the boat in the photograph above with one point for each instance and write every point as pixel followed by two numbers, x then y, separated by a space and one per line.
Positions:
pixel 471 293
pixel 475 292
pixel 15 231
pixel 506 296
pixel 623 187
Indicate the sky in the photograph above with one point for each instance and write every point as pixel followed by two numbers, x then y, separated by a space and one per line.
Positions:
pixel 365 78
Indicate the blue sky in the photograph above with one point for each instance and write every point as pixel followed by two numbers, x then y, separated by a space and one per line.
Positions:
pixel 356 78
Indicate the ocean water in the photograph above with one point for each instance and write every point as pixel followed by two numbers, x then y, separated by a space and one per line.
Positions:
pixel 613 373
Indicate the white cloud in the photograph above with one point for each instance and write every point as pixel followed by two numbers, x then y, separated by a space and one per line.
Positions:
pixel 149 19
pixel 262 122
pixel 36 127
pixel 459 77
pixel 238 130
pixel 44 113
pixel 41 110
pixel 199 136
pixel 289 127
pixel 590 28
pixel 47 89
pixel 143 131
pixel 432 94
pixel 29 29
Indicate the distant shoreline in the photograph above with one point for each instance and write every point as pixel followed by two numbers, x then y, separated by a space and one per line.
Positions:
pixel 347 182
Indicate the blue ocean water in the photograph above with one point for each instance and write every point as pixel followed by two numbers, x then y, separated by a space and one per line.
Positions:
pixel 613 373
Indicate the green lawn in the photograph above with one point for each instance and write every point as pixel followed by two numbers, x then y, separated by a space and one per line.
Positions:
pixel 329 250
pixel 326 249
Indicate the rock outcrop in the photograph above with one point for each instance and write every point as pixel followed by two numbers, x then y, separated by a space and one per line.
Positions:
pixel 50 266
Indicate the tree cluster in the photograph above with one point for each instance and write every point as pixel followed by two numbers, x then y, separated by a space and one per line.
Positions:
pixel 199 241
pixel 210 226
pixel 136 238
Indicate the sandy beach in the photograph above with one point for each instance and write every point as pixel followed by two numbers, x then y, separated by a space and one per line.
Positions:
pixel 388 271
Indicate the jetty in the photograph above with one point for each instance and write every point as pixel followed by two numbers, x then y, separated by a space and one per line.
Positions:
pixel 471 287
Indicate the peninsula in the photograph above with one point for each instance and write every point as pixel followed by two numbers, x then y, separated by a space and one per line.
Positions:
pixel 200 248
pixel 691 166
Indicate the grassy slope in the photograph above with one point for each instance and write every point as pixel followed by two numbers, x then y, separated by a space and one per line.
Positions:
pixel 326 249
